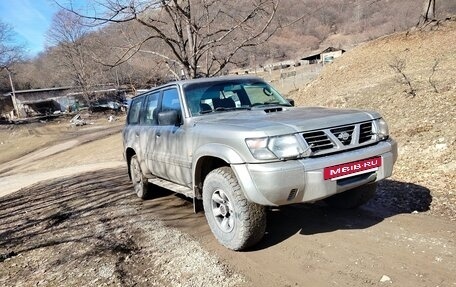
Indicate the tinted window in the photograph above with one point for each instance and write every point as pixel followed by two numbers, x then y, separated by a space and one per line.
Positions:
pixel 171 100
pixel 150 116
pixel 135 108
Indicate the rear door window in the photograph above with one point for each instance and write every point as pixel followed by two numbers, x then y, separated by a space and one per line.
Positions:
pixel 134 111
pixel 150 110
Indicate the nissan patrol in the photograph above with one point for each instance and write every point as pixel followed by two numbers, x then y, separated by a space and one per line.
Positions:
pixel 236 145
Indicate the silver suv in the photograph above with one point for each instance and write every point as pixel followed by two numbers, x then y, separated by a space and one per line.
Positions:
pixel 237 145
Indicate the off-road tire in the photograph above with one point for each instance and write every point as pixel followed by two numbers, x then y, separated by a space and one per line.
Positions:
pixel 245 222
pixel 140 183
pixel 352 198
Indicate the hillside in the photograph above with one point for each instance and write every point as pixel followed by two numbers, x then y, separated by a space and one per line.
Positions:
pixel 341 24
pixel 424 125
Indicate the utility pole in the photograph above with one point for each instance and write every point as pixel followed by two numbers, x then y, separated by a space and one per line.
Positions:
pixel 13 93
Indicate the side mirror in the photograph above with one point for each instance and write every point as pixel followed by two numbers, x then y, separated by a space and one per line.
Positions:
pixel 292 102
pixel 168 118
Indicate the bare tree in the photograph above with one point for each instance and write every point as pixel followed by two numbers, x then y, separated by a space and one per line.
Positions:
pixel 193 32
pixel 399 65
pixel 9 55
pixel 68 36
pixel 141 70
pixel 427 13
pixel 431 80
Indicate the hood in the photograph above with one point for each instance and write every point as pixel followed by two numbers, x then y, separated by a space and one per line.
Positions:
pixel 284 120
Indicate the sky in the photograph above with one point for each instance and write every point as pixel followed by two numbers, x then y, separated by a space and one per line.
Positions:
pixel 30 20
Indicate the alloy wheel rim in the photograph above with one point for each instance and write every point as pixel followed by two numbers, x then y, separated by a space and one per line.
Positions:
pixel 222 210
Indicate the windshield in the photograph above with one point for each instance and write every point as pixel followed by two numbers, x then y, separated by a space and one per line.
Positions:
pixel 230 95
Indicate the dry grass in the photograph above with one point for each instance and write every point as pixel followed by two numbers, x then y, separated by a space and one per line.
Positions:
pixel 424 125
pixel 16 141
pixel 19 140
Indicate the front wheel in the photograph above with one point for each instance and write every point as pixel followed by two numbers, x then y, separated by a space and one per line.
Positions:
pixel 140 183
pixel 352 198
pixel 234 221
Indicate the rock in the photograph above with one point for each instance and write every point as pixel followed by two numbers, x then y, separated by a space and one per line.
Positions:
pixel 385 279
pixel 441 146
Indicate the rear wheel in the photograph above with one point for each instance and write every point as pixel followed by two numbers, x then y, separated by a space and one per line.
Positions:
pixel 140 183
pixel 234 221
pixel 353 198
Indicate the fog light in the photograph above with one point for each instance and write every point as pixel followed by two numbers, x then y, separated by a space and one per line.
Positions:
pixel 292 194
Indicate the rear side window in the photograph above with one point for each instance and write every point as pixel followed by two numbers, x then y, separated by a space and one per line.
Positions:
pixel 150 116
pixel 133 113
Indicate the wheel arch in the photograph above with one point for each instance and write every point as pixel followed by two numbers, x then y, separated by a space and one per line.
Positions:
pixel 129 153
pixel 208 158
pixel 203 167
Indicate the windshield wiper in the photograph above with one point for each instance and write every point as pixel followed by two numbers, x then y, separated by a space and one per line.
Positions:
pixel 270 104
pixel 206 112
pixel 232 108
pixel 224 109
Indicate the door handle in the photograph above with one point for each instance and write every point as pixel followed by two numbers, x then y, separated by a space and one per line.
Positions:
pixel 158 135
pixel 137 134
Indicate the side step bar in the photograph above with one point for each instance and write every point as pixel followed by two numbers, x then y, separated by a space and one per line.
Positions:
pixel 188 192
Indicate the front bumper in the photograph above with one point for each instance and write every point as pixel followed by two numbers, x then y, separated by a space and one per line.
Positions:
pixel 296 181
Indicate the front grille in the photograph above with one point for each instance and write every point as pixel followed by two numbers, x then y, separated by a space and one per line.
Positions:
pixel 338 139
pixel 365 133
pixel 344 134
pixel 318 140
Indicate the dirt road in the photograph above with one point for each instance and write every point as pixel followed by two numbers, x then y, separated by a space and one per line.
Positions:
pixel 88 149
pixel 89 229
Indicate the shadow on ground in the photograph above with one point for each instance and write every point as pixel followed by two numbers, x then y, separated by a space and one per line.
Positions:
pixel 90 224
pixel 95 206
pixel 392 198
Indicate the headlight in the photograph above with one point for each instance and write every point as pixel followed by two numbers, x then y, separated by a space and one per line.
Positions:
pixel 285 146
pixel 282 147
pixel 382 129
pixel 259 148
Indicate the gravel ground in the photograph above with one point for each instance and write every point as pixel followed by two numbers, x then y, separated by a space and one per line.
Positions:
pixel 82 231
pixel 92 230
